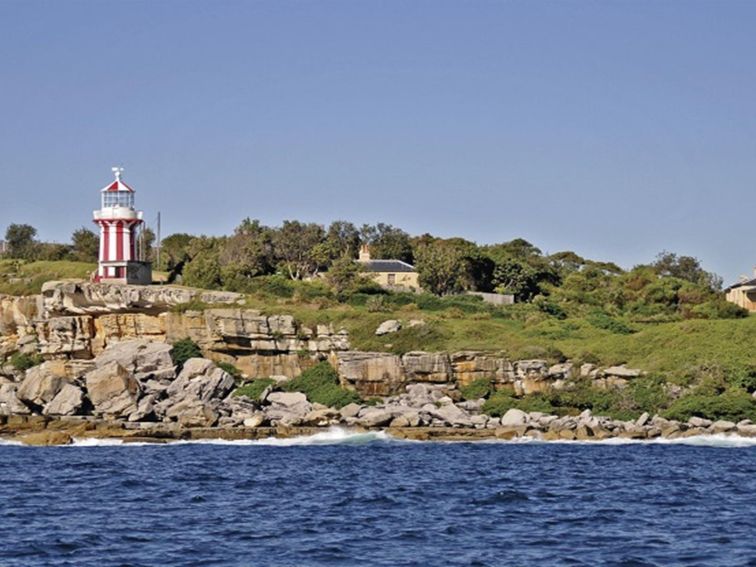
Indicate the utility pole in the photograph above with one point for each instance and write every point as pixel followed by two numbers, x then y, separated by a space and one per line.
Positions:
pixel 159 241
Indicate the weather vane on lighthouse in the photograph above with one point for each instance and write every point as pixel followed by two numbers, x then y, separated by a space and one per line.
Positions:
pixel 121 226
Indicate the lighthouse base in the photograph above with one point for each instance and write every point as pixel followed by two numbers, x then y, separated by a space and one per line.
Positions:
pixel 135 273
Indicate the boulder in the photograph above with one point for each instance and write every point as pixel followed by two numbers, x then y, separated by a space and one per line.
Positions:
pixel 350 410
pixel 696 421
pixel 321 417
pixel 453 415
pixel 9 402
pixel 145 408
pixel 68 401
pixel 190 412
pixel 642 420
pixel 255 420
pixel 112 390
pixel 388 327
pixel 560 371
pixel 513 418
pixel 722 426
pixel 747 429
pixel 622 372
pixel 201 380
pixel 142 358
pixel 287 408
pixel 375 417
pixel 42 383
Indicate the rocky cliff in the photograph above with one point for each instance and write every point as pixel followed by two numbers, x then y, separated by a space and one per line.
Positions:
pixel 107 357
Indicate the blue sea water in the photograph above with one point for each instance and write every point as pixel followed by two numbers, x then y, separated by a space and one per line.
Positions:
pixel 341 499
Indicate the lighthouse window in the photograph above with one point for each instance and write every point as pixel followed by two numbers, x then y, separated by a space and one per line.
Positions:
pixel 118 199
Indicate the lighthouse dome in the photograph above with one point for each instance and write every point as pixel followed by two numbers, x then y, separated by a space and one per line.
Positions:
pixel 117 193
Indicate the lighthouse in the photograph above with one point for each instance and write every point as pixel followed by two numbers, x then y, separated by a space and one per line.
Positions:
pixel 120 227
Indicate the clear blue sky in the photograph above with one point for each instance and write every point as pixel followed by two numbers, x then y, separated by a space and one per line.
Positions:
pixel 614 129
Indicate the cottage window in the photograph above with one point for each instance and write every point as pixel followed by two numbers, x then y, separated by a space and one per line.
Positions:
pixel 392 279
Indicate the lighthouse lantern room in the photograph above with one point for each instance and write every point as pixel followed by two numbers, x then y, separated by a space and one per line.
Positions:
pixel 121 259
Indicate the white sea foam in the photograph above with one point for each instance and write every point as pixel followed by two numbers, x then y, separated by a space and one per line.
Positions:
pixel 342 436
pixel 331 436
pixel 716 440
pixel 94 442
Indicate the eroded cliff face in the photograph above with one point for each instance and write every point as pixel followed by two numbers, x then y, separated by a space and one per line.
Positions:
pixel 76 321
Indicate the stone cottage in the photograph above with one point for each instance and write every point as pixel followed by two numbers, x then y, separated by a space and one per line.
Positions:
pixel 392 274
pixel 743 293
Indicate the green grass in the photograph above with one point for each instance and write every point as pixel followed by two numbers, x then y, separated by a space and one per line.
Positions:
pixel 18 277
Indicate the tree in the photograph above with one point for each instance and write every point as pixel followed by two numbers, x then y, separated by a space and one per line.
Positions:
pixel 688 268
pixel 144 244
pixel 20 239
pixel 387 242
pixel 204 269
pixel 299 248
pixel 344 274
pixel 342 240
pixel 443 267
pixel 174 252
pixel 86 245
pixel 247 253
pixel 516 277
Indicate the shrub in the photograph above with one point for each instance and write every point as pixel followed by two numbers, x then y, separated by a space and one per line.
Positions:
pixel 503 400
pixel 582 395
pixel 550 307
pixel 480 388
pixel 321 385
pixel 648 393
pixel 22 362
pixel 745 378
pixel 376 304
pixel 732 405
pixel 719 309
pixel 183 350
pixel 253 390
pixel 231 369
pixel 601 320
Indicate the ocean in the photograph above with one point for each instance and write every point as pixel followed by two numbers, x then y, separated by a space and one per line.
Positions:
pixel 364 499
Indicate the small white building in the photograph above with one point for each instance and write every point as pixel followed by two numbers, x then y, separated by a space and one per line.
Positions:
pixel 743 293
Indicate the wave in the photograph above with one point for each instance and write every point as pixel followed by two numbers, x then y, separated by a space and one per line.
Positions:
pixel 342 436
pixel 331 436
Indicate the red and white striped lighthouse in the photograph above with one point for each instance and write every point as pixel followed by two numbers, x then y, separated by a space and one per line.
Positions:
pixel 120 225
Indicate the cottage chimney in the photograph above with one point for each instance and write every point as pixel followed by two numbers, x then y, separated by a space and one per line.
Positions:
pixel 364 253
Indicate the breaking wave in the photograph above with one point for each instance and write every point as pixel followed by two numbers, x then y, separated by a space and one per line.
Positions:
pixel 342 436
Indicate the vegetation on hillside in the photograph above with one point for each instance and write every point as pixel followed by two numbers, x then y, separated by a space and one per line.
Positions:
pixel 668 317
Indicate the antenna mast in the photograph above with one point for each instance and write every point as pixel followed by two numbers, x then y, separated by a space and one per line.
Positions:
pixel 159 241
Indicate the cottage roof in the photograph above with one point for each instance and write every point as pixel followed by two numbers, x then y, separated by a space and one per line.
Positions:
pixel 746 283
pixel 387 266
